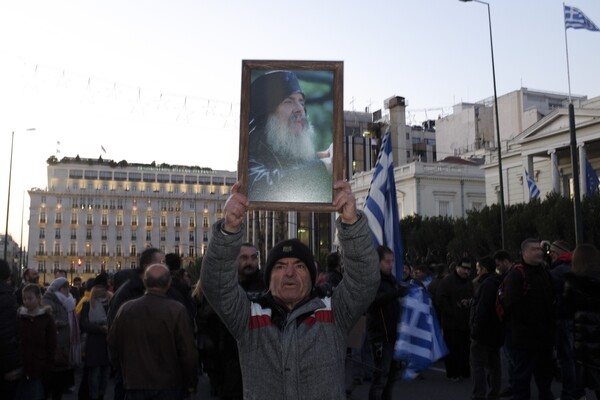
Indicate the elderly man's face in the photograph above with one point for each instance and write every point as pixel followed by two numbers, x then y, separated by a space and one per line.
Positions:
pixel 291 111
pixel 290 281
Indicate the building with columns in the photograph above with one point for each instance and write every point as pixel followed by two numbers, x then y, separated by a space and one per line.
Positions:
pixel 543 149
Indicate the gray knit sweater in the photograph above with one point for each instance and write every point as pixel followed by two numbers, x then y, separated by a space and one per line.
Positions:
pixel 300 354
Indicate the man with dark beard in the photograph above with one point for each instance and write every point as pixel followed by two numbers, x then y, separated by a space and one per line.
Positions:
pixel 283 163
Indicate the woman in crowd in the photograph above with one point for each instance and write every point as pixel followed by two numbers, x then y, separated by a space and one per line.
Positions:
pixel 582 296
pixel 68 352
pixel 94 324
pixel 38 344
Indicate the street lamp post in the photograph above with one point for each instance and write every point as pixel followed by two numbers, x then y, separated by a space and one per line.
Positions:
pixel 499 146
pixel 21 241
pixel 12 140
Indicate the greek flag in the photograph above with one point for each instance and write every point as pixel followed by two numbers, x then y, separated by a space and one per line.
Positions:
pixel 591 178
pixel 576 19
pixel 381 206
pixel 534 191
pixel 420 341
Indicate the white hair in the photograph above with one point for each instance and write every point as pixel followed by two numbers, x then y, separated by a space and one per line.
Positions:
pixel 295 147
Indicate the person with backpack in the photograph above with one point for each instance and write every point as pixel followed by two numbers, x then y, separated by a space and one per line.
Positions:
pixel 528 300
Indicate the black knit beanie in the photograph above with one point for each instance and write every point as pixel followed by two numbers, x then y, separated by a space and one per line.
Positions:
pixel 291 248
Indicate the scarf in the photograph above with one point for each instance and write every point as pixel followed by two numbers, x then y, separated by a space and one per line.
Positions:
pixel 68 302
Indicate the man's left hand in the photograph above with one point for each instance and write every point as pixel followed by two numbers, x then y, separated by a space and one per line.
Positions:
pixel 345 202
pixel 235 210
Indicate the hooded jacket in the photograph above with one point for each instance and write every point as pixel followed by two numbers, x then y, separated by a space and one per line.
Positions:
pixel 298 354
pixel 38 340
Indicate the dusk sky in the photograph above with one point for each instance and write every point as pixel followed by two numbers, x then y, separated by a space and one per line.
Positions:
pixel 160 80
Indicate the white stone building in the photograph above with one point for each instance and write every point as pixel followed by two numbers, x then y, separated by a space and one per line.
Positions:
pixel 431 189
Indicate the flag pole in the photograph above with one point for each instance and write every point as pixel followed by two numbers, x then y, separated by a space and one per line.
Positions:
pixel 574 156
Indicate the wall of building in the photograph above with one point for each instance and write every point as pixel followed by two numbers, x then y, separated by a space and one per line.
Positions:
pixel 431 189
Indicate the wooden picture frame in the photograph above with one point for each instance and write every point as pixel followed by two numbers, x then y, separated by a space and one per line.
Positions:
pixel 291 131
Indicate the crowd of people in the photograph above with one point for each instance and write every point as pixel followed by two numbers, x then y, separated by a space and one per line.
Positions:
pixel 275 332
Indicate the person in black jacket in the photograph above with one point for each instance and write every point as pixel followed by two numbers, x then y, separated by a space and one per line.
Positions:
pixel 487 333
pixel 10 356
pixel 454 296
pixel 382 322
pixel 529 305
pixel 180 289
pixel 582 299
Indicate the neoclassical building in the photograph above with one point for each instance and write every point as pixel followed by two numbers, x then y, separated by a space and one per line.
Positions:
pixel 543 149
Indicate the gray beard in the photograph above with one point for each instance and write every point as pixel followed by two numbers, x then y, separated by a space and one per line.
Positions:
pixel 286 144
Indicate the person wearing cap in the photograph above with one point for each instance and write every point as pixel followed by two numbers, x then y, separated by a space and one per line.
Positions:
pixel 454 295
pixel 292 341
pixel 283 164
pixel 561 253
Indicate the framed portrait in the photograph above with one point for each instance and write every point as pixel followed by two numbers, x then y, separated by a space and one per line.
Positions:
pixel 291 134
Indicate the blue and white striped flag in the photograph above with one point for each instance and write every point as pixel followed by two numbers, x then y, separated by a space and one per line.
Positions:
pixel 381 206
pixel 591 178
pixel 576 19
pixel 420 341
pixel 534 191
